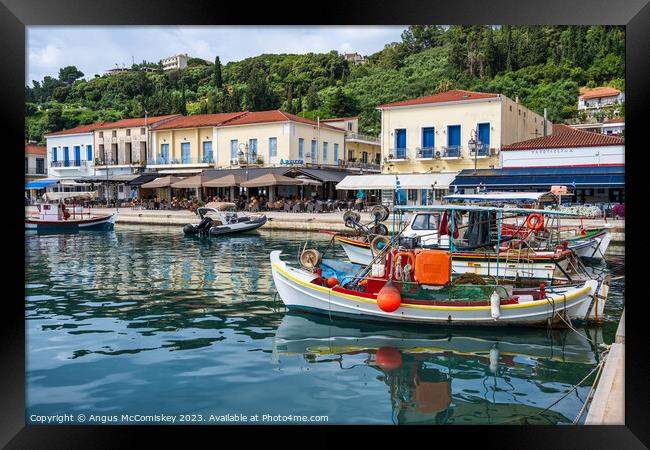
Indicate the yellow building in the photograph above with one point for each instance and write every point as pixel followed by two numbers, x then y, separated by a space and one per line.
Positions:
pixel 451 131
pixel 362 151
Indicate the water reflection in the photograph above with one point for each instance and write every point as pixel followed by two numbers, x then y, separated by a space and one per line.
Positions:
pixel 449 376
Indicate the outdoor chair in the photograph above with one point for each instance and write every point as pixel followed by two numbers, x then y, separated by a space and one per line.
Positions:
pixel 297 207
pixel 287 207
pixel 310 207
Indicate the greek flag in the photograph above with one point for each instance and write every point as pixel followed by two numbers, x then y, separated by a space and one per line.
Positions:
pixel 573 183
pixel 455 189
pixel 397 184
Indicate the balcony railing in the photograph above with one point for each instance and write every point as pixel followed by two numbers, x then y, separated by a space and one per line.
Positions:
pixel 362 165
pixel 452 151
pixel 35 171
pixel 426 152
pixel 481 150
pixel 397 153
pixel 69 163
pixel 362 137
pixel 105 162
pixel 192 160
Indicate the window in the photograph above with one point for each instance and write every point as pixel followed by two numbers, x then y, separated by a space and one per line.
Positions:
pixel 89 152
pixel 425 222
pixel 40 165
pixel 128 132
pixel 336 153
pixel 114 134
pixel 252 150
pixel 207 152
pixel 54 154
pixel 101 134
pixel 364 157
pixel 273 147
pixel 142 131
pixel 185 152
pixel 26 165
pixel 233 149
pixel 349 126
pixel 313 151
pixel 510 108
pixel 350 155
pixel 412 193
pixel 301 148
pixel 324 151
pixel 164 154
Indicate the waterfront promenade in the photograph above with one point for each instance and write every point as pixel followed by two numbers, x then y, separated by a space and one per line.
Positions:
pixel 292 221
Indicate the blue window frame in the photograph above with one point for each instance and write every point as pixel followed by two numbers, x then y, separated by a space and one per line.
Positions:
pixel 54 154
pixel 301 148
pixel 453 140
pixel 164 154
pixel 252 150
pixel 336 153
pixel 234 144
pixel 185 152
pixel 400 143
pixel 324 151
pixel 273 147
pixel 428 142
pixel 89 152
pixel 313 151
pixel 77 155
pixel 66 157
pixel 207 152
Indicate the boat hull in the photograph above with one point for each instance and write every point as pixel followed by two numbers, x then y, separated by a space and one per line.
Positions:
pixel 298 293
pixel 101 223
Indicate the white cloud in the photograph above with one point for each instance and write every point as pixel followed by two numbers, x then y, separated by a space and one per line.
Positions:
pixel 95 49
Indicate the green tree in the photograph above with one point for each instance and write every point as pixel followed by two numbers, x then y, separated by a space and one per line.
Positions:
pixel 69 74
pixel 217 77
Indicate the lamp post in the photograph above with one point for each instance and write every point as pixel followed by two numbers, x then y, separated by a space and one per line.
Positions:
pixel 474 144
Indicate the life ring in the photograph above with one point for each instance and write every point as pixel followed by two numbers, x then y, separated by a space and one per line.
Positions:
pixel 535 222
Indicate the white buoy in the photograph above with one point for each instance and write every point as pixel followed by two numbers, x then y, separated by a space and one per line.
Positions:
pixel 494 359
pixel 495 302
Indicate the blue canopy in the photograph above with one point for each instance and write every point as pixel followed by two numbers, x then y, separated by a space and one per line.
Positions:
pixel 40 184
pixel 575 177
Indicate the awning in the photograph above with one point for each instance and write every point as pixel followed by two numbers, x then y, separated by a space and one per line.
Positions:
pixel 308 181
pixel 543 177
pixel 504 197
pixel 191 182
pixel 40 184
pixel 142 179
pixel 388 181
pixel 110 178
pixel 227 181
pixel 161 182
pixel 72 183
pixel 271 179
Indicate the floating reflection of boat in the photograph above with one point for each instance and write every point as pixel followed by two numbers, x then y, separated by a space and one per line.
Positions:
pixel 316 335
pixel 420 367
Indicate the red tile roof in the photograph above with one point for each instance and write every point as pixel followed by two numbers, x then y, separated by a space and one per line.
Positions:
pixel 137 121
pixel 564 136
pixel 603 91
pixel 80 129
pixel 615 120
pixel 33 149
pixel 273 116
pixel 455 95
pixel 339 119
pixel 197 120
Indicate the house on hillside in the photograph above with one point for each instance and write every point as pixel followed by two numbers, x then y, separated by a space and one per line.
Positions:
pixel 594 100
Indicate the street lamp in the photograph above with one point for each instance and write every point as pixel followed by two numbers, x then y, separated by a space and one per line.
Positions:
pixel 243 152
pixel 474 144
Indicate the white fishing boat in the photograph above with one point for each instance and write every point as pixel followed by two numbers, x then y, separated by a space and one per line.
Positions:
pixel 415 287
pixel 56 216
pixel 220 218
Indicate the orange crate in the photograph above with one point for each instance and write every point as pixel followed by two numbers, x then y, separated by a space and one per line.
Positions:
pixel 433 267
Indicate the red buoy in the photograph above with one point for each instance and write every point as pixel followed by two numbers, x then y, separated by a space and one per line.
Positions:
pixel 332 281
pixel 389 298
pixel 388 358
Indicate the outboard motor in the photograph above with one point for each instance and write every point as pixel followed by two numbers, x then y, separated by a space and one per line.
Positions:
pixel 190 229
pixel 205 224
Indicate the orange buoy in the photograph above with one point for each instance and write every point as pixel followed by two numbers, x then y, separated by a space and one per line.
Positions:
pixel 332 281
pixel 388 358
pixel 389 298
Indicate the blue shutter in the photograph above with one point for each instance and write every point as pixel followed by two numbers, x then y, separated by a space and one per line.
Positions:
pixel 428 137
pixel 252 149
pixel 54 154
pixel 336 153
pixel 453 136
pixel 66 157
pixel 400 138
pixel 77 155
pixel 207 152
pixel 164 154
pixel 324 151
pixel 484 133
pixel 89 152
pixel 313 152
pixel 233 149
pixel 301 148
pixel 273 147
pixel 185 152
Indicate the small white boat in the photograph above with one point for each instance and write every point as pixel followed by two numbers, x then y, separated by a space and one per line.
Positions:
pixel 55 216
pixel 422 303
pixel 219 218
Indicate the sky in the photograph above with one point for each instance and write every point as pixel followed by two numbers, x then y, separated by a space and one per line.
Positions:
pixel 93 50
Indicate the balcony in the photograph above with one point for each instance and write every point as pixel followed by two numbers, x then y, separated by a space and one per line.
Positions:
pixel 71 164
pixel 162 161
pixel 35 171
pixel 99 162
pixel 423 153
pixel 397 154
pixel 373 167
pixel 362 137
pixel 482 151
pixel 451 152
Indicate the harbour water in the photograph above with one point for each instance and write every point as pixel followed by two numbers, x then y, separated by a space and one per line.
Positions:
pixel 144 320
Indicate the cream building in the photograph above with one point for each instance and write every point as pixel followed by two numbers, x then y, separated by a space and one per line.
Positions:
pixel 175 62
pixel 432 134
pixel 361 151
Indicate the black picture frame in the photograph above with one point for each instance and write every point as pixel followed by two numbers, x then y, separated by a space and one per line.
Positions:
pixel 17 14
